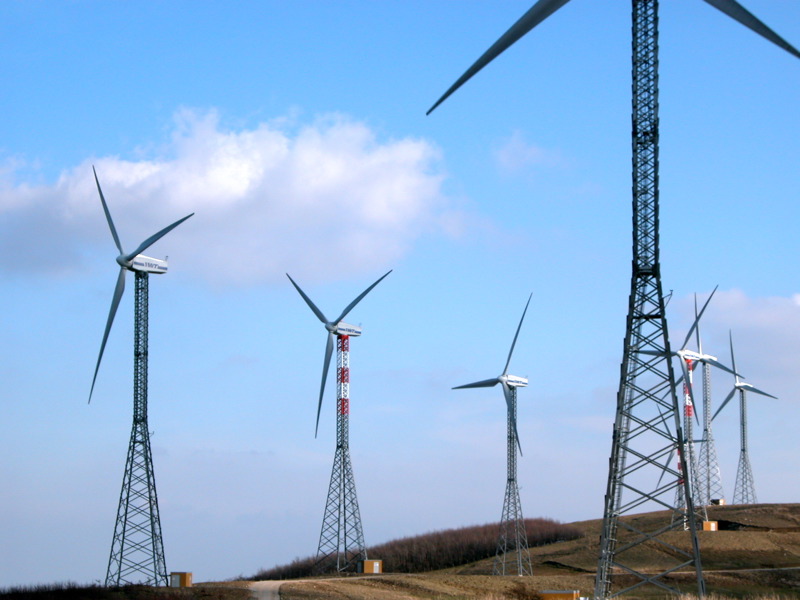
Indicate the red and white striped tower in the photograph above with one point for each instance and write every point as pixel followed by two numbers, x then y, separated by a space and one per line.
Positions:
pixel 341 541
pixel 343 376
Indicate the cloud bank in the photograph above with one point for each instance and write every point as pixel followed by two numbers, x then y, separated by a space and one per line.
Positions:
pixel 312 199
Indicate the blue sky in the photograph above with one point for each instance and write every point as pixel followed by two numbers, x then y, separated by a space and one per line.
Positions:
pixel 297 134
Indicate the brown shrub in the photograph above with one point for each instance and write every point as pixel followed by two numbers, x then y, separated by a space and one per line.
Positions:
pixel 439 549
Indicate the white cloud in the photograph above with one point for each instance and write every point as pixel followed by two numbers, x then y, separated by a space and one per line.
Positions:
pixel 275 198
pixel 516 155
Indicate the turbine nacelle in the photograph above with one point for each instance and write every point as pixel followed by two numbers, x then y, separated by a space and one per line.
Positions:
pixel 514 381
pixel 694 356
pixel 342 328
pixel 146 264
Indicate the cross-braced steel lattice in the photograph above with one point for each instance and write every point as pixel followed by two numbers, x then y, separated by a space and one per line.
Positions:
pixel 137 550
pixel 512 557
pixel 341 540
pixel 709 477
pixel 744 492
pixel 647 426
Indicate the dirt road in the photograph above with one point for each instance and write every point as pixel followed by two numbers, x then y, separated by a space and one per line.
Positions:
pixel 265 590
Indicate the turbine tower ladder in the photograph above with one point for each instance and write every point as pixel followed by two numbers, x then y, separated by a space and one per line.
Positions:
pixel 137 549
pixel 341 540
pixel 643 439
pixel 513 556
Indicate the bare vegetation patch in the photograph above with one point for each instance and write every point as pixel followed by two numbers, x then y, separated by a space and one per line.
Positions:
pixel 439 549
pixel 73 591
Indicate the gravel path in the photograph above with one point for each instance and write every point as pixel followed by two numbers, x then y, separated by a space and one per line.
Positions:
pixel 265 590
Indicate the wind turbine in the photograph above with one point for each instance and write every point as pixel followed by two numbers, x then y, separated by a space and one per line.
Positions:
pixel 341 540
pixel 744 492
pixel 647 383
pixel 137 549
pixel 513 537
pixel 709 477
pixel 689 360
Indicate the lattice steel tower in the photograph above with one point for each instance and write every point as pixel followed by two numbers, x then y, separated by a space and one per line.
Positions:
pixel 640 476
pixel 137 549
pixel 708 472
pixel 647 427
pixel 341 539
pixel 744 492
pixel 512 555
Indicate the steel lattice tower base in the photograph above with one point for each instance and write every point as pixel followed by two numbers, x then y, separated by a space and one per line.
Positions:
pixel 744 492
pixel 513 556
pixel 137 550
pixel 341 540
pixel 647 426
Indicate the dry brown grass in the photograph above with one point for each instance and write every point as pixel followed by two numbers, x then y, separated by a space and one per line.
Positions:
pixel 755 556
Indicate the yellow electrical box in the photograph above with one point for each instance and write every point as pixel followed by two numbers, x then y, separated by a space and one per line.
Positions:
pixel 559 594
pixel 370 566
pixel 180 579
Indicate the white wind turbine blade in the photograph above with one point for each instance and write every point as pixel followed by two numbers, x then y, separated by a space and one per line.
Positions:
pixel 754 390
pixel 714 362
pixel 535 15
pixel 739 13
pixel 108 214
pixel 154 238
pixel 724 402
pixel 516 335
pixel 119 289
pixel 360 297
pixel 479 384
pixel 310 304
pixel 697 319
pixel 326 363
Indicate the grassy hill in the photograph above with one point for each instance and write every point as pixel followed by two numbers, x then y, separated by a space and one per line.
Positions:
pixel 756 552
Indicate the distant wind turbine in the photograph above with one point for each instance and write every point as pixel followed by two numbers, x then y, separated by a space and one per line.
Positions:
pixel 709 477
pixel 744 492
pixel 513 538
